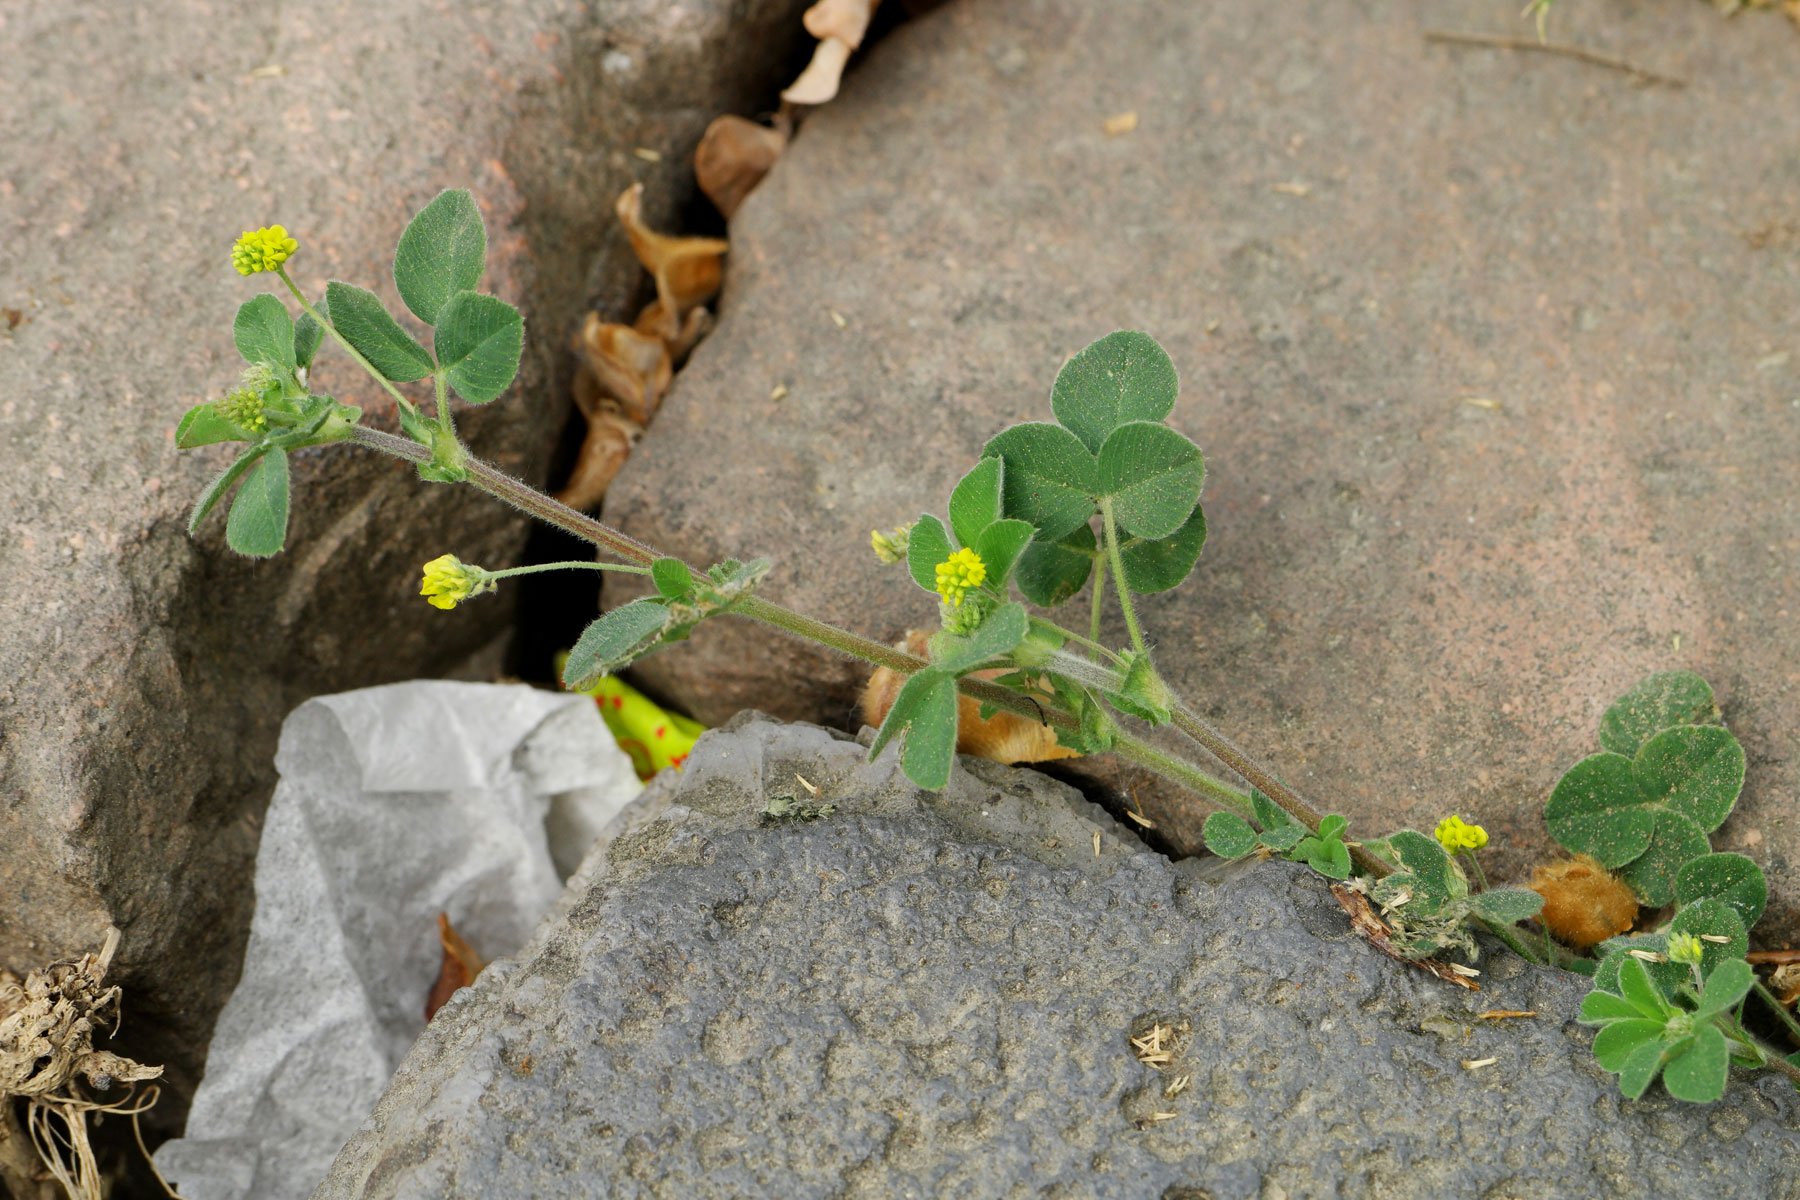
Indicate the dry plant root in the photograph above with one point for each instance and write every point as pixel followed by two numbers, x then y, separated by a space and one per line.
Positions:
pixel 49 1070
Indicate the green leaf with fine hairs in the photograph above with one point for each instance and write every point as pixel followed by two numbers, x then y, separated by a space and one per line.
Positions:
pixel 927 546
pixel 1663 701
pixel 1053 572
pixel 308 334
pixel 613 641
pixel 1615 951
pixel 1653 811
pixel 479 341
pixel 1732 878
pixel 1506 906
pixel 1697 1067
pixel 257 526
pixel 1695 770
pixel 924 717
pixel 1156 565
pixel 975 502
pixel 203 426
pixel 365 322
pixel 1676 842
pixel 1640 1070
pixel 1640 992
pixel 215 491
pixel 1269 814
pixel 1597 809
pixel 264 332
pixel 672 578
pixel 1325 851
pixel 999 632
pixel 442 252
pixel 1152 477
pixel 1599 1008
pixel 1425 859
pixel 1282 838
pixel 1000 546
pixel 1125 376
pixel 1730 982
pixel 1048 478
pixel 1228 835
pixel 1620 1040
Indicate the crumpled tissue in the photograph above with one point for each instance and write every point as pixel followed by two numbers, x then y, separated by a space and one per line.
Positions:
pixel 394 804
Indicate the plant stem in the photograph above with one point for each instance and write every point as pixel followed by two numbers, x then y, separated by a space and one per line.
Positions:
pixel 1090 643
pixel 1774 1059
pixel 309 310
pixel 443 402
pixel 528 499
pixel 524 497
pixel 1513 942
pixel 568 566
pixel 1227 752
pixel 1769 998
pixel 1118 566
pixel 1099 601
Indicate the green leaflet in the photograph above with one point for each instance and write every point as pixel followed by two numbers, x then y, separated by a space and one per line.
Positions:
pixel 479 343
pixel 442 252
pixel 1124 376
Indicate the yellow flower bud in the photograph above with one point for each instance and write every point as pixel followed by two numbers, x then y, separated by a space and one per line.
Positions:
pixel 449 581
pixel 243 408
pixel 1684 948
pixel 890 547
pixel 262 249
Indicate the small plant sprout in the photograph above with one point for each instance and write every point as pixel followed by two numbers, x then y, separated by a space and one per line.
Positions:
pixel 1103 502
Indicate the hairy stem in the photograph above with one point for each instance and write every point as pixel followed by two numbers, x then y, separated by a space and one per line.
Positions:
pixel 1227 752
pixel 340 339
pixel 1781 1011
pixel 1099 601
pixel 624 568
pixel 1513 941
pixel 1118 570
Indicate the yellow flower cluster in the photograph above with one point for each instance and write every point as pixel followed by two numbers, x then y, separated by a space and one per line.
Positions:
pixel 1454 834
pixel 262 249
pixel 959 573
pixel 449 581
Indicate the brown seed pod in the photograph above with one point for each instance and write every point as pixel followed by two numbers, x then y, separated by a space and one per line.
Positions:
pixel 1584 903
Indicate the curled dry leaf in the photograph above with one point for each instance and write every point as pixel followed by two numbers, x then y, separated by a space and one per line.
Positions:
pixel 733 156
pixel 679 337
pixel 1003 738
pixel 610 437
pixel 458 970
pixel 687 270
pixel 819 82
pixel 629 366
pixel 845 20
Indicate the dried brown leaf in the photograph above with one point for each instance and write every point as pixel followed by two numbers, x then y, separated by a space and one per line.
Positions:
pixel 458 969
pixel 679 337
pixel 819 82
pixel 733 156
pixel 1375 931
pixel 687 270
pixel 610 437
pixel 845 20
pixel 629 366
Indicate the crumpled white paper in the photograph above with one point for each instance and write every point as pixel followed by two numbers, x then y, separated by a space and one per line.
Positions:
pixel 394 804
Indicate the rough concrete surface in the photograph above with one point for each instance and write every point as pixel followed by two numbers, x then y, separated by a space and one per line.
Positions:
pixel 1495 357
pixel 925 995
pixel 143 675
